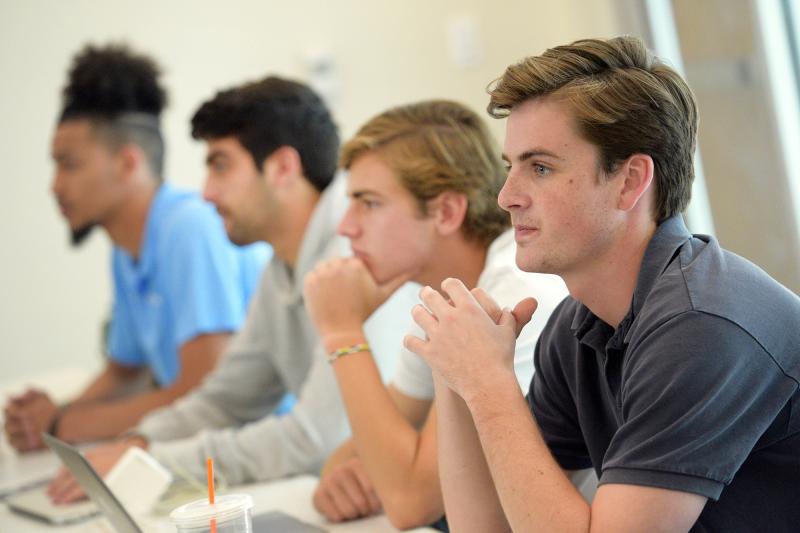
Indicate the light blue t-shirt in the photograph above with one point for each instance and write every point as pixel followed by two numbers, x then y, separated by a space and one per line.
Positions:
pixel 189 280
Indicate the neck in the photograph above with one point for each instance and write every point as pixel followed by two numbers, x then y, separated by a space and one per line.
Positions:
pixel 455 257
pixel 126 225
pixel 606 287
pixel 286 233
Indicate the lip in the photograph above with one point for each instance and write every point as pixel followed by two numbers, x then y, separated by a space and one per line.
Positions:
pixel 522 232
pixel 63 207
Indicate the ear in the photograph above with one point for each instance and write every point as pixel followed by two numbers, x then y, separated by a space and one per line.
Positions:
pixel 448 210
pixel 637 174
pixel 130 160
pixel 282 166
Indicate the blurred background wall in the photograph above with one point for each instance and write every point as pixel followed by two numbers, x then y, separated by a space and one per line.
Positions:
pixel 363 56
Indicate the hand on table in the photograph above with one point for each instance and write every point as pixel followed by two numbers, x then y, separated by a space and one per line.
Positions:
pixel 26 417
pixel 340 295
pixel 65 489
pixel 345 493
pixel 469 338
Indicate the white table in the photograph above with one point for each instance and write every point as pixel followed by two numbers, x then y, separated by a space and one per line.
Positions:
pixel 292 496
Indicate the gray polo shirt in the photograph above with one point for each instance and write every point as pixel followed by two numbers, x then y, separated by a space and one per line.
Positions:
pixel 696 390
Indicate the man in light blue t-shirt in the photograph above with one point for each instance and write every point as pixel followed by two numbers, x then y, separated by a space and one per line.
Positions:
pixel 188 280
pixel 180 286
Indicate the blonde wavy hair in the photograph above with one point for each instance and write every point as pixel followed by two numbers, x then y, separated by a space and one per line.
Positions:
pixel 437 146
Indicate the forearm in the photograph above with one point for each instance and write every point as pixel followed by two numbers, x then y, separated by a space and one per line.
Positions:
pixel 107 384
pixel 271 448
pixel 243 388
pixel 388 445
pixel 533 489
pixel 465 476
pixel 94 420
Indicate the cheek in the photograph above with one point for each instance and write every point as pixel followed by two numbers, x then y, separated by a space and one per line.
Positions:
pixel 399 240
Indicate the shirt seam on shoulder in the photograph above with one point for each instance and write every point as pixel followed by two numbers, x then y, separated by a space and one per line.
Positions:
pixel 763 348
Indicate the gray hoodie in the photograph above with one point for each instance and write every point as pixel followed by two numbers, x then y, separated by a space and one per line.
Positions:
pixel 229 416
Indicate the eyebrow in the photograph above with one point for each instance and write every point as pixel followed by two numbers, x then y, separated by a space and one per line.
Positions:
pixel 534 152
pixel 361 193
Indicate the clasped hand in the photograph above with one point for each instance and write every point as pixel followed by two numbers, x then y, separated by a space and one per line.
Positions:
pixel 469 338
pixel 26 417
pixel 340 295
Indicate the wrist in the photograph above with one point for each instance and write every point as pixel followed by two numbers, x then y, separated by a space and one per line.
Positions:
pixel 55 421
pixel 490 386
pixel 135 439
pixel 342 339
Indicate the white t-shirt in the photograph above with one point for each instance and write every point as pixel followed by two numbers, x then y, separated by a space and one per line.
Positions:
pixel 507 285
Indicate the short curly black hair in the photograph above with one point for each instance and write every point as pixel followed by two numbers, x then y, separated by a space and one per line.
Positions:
pixel 270 113
pixel 118 91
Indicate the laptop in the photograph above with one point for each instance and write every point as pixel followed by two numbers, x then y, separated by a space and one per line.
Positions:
pixel 34 469
pixel 36 503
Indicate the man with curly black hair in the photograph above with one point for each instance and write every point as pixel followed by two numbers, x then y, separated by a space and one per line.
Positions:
pixel 180 286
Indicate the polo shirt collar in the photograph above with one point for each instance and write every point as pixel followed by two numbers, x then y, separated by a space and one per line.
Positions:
pixel 666 241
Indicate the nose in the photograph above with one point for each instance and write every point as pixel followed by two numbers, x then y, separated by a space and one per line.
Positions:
pixel 209 191
pixel 349 226
pixel 56 183
pixel 511 196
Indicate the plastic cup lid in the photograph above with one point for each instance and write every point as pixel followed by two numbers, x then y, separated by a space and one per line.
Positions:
pixel 200 512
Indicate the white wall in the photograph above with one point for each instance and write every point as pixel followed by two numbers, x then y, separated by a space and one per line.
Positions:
pixel 386 52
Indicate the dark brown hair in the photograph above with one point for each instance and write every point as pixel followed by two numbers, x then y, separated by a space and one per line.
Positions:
pixel 624 100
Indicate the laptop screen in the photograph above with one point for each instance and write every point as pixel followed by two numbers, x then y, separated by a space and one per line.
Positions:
pixel 93 485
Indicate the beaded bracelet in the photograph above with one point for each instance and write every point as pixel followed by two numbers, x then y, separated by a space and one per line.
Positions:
pixel 336 354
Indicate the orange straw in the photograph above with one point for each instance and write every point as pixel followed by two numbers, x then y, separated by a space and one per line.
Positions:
pixel 210 471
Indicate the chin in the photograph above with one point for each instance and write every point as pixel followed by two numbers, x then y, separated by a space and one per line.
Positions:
pixel 240 240
pixel 380 276
pixel 79 235
pixel 529 264
pixel 240 236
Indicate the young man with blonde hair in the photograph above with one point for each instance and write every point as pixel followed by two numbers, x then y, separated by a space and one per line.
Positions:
pixel 673 366
pixel 423 181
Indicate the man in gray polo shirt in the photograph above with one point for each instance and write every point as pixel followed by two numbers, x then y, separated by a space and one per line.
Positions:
pixel 672 368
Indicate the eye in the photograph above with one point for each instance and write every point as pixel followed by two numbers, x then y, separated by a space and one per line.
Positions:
pixel 370 204
pixel 68 164
pixel 541 170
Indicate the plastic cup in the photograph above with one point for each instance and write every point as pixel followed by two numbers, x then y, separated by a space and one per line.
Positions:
pixel 232 513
